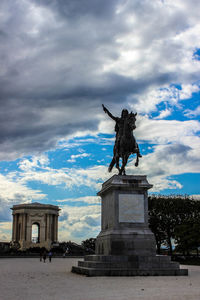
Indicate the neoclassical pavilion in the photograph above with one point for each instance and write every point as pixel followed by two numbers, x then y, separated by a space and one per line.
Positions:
pixel 35 225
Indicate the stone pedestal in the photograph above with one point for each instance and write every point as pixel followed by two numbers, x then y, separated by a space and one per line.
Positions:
pixel 126 246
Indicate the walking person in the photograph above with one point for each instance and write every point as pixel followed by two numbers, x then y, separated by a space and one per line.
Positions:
pixel 40 255
pixel 44 256
pixel 50 255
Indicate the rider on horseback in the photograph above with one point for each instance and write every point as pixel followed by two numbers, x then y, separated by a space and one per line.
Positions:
pixel 119 129
pixel 119 125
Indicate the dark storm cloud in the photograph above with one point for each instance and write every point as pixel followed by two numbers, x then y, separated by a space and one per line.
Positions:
pixel 53 57
pixel 77 8
pixel 28 122
pixel 177 150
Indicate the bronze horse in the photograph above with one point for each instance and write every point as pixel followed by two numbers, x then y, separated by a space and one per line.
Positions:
pixel 125 143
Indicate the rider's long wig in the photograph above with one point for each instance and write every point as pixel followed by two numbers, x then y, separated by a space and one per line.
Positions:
pixel 124 113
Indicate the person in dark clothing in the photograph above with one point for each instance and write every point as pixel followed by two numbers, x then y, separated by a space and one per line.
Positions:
pixel 50 256
pixel 44 256
pixel 41 255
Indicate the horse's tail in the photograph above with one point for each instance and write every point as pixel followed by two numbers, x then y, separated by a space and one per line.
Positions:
pixel 111 165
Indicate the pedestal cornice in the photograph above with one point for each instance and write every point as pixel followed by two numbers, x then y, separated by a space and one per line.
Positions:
pixel 125 182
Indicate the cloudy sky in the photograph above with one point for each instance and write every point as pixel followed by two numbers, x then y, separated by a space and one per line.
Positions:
pixel 60 60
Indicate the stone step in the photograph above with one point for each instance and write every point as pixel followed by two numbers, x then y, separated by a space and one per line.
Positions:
pixel 107 265
pixel 124 258
pixel 129 265
pixel 128 272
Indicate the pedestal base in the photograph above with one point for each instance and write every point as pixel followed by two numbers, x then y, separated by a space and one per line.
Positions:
pixel 131 241
pixel 126 246
pixel 121 265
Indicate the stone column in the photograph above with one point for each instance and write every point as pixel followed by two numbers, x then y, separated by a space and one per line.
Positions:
pixel 53 228
pixel 23 229
pixel 25 224
pixel 29 229
pixel 14 228
pixel 48 227
pixel 56 229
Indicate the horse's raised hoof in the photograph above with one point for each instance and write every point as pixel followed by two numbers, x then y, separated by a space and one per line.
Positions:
pixel 139 155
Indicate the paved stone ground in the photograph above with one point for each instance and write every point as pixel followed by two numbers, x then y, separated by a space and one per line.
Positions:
pixel 30 279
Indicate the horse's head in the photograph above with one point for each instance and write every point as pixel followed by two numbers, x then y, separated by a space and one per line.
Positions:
pixel 132 120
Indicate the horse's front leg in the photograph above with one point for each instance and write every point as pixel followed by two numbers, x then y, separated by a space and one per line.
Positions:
pixel 138 151
pixel 124 162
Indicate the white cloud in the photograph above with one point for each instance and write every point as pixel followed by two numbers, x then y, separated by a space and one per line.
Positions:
pixel 187 91
pixel 164 162
pixel 192 113
pixel 170 95
pixel 82 222
pixel 34 162
pixel 166 131
pixel 195 197
pixel 86 199
pixel 75 156
pixel 5 231
pixel 12 191
pixel 164 113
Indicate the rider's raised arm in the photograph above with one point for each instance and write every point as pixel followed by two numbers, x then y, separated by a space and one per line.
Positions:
pixel 110 115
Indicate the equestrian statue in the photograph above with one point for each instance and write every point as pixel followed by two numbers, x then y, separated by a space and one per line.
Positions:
pixel 125 143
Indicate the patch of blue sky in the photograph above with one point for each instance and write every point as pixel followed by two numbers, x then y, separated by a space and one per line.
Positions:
pixel 159 107
pixel 58 158
pixel 191 104
pixel 61 192
pixel 8 166
pixel 196 54
pixel 190 185
pixel 146 148
pixel 177 111
pixel 176 107
pixel 84 156
pixel 100 138
pixel 97 155
pixel 74 203
pixel 6 218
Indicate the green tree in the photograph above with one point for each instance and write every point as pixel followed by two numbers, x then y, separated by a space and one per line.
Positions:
pixel 155 223
pixel 167 214
pixel 187 233
pixel 89 244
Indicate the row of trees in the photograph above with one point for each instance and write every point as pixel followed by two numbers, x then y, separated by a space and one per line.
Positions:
pixel 175 220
